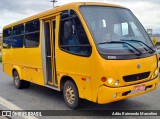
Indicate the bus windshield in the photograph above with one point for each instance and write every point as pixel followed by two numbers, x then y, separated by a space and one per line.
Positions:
pixel 116 31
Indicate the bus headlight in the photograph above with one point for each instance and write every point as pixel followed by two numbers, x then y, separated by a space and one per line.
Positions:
pixel 155 73
pixel 116 83
pixel 110 80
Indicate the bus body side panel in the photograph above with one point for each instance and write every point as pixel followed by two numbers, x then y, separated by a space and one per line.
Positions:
pixel 76 67
pixel 33 66
pixel 6 61
pixel 7 68
pixel 27 61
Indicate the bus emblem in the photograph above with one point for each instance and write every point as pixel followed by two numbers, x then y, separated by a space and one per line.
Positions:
pixel 112 57
pixel 138 66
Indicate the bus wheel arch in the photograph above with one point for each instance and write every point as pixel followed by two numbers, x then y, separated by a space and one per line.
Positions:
pixel 16 68
pixel 64 79
pixel 70 92
pixel 18 82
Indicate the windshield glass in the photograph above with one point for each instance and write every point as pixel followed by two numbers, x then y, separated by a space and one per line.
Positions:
pixel 116 31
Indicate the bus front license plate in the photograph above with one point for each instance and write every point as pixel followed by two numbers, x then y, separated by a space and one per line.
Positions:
pixel 139 88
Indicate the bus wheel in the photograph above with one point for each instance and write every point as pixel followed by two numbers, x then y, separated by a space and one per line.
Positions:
pixel 19 83
pixel 70 94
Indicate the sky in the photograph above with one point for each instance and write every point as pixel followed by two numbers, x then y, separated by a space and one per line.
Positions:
pixel 147 11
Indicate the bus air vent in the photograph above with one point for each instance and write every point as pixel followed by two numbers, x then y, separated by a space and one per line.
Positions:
pixel 136 77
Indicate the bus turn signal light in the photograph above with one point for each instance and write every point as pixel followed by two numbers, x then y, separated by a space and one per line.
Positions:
pixel 103 79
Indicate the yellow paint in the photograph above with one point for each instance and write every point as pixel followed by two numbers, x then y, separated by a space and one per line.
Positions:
pixel 28 60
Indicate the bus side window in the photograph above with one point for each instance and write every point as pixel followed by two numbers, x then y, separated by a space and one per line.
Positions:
pixel 18 36
pixel 32 32
pixel 7 36
pixel 73 38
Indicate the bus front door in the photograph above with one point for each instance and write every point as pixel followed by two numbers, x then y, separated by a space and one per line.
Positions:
pixel 50 68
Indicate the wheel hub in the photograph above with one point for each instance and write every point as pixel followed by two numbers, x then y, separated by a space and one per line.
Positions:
pixel 70 96
pixel 16 80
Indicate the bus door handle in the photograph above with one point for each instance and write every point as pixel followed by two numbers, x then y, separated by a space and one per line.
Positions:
pixel 48 56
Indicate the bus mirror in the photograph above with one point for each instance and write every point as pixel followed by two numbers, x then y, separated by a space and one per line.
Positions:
pixel 154 41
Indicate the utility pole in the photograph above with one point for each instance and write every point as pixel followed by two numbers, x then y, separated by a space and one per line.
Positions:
pixel 54 1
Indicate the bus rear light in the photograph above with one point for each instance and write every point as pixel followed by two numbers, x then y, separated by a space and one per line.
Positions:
pixel 103 79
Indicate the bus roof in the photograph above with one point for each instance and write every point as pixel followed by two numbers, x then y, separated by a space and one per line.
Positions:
pixel 59 9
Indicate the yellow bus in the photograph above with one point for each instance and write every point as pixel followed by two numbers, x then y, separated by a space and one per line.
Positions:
pixel 94 51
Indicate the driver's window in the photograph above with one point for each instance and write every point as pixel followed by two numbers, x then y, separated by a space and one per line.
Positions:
pixel 73 38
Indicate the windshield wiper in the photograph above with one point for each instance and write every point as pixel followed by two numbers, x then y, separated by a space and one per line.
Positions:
pixel 139 52
pixel 142 43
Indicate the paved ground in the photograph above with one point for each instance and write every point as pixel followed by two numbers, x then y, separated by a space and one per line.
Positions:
pixel 41 98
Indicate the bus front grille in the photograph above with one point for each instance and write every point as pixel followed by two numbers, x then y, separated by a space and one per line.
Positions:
pixel 136 77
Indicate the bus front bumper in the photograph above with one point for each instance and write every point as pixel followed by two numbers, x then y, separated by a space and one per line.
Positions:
pixel 108 94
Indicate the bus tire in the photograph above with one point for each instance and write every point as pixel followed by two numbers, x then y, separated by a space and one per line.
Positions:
pixel 19 84
pixel 71 95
